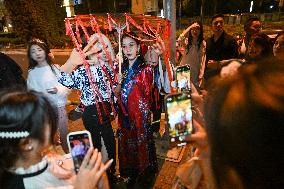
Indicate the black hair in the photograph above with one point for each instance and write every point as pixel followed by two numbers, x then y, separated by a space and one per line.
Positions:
pixel 249 22
pixel 43 45
pixel 200 37
pixel 217 16
pixel 135 38
pixel 245 118
pixel 263 41
pixel 20 111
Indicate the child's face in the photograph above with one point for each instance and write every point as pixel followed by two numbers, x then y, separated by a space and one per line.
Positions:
pixel 37 54
pixel 130 48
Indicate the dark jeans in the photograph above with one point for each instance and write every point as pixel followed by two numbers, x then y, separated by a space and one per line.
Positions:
pixel 97 129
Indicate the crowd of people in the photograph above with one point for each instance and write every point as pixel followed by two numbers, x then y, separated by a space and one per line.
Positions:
pixel 238 88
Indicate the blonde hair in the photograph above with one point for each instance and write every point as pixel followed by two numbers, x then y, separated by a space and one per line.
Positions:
pixel 103 40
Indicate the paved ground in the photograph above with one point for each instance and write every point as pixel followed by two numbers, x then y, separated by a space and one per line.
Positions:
pixel 165 176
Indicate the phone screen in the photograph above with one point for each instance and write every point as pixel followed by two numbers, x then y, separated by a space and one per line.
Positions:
pixel 183 77
pixel 79 143
pixel 179 117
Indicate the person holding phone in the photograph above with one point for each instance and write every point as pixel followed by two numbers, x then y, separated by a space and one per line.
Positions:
pixel 42 77
pixel 195 54
pixel 244 151
pixel 79 142
pixel 135 136
pixel 28 123
pixel 74 75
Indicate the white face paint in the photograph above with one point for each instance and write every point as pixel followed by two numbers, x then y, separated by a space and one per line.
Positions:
pixel 130 48
pixel 101 54
pixel 103 48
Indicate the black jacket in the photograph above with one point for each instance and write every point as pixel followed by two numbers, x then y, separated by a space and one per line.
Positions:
pixel 223 49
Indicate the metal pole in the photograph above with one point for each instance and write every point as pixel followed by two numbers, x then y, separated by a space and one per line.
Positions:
pixel 114 5
pixel 170 13
pixel 179 13
pixel 202 11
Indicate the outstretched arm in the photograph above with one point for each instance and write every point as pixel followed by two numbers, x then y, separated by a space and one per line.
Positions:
pixel 75 58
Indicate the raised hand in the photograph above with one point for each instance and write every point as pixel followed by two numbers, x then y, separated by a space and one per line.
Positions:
pixel 76 59
pixel 199 138
pixel 92 171
pixel 159 47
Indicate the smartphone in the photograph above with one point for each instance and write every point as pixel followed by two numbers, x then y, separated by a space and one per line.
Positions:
pixel 179 117
pixel 183 77
pixel 79 143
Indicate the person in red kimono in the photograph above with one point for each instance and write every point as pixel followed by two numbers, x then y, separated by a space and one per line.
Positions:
pixel 137 151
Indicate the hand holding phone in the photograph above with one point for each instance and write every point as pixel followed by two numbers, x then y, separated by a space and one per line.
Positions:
pixel 79 143
pixel 92 173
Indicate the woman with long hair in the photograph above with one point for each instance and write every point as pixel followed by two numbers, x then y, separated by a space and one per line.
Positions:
pixel 42 77
pixel 136 145
pixel 195 51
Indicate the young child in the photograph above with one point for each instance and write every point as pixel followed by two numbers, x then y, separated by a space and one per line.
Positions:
pixel 42 77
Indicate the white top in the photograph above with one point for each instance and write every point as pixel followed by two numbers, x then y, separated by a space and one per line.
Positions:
pixel 42 78
pixel 46 174
pixel 196 58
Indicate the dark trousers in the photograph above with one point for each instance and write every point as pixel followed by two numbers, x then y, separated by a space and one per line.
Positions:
pixel 157 109
pixel 97 129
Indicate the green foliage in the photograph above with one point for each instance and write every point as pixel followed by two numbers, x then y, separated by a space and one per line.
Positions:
pixel 37 18
pixel 10 42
